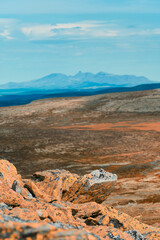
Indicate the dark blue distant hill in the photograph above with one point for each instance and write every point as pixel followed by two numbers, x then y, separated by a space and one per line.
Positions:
pixel 61 85
pixel 21 99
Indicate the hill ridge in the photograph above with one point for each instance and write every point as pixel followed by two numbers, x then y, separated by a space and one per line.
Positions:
pixel 60 80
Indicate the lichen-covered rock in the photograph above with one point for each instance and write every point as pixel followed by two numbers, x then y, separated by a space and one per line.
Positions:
pixel 135 235
pixel 62 185
pixel 60 205
pixel 9 196
pixel 110 233
pixel 12 180
pixel 23 213
pixel 76 235
pixel 16 186
pixel 51 184
pixel 8 172
pixel 87 210
pixel 38 231
pixel 54 212
pixel 36 192
pixel 95 186
pixel 124 222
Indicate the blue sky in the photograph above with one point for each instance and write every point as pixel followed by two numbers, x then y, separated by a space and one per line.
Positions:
pixel 40 37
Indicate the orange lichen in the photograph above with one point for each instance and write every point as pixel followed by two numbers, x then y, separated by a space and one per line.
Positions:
pixel 41 216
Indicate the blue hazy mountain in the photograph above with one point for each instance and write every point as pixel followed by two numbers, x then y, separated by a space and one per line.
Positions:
pixel 79 81
pixel 61 85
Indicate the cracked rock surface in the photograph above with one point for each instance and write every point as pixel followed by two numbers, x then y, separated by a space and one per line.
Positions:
pixel 57 204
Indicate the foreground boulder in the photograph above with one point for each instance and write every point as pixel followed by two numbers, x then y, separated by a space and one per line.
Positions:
pixel 95 186
pixel 60 205
pixel 62 185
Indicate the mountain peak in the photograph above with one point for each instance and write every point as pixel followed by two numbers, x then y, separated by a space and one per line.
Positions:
pixel 79 73
pixel 79 80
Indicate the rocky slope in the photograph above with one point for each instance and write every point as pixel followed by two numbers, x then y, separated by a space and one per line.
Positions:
pixel 57 204
pixel 117 132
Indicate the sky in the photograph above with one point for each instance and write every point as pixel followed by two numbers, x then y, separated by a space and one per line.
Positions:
pixel 40 37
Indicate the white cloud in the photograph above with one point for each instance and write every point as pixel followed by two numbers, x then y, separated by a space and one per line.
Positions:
pixel 7 26
pixel 78 29
pixel 106 33
pixel 81 25
pixel 7 21
pixel 157 31
pixel 6 34
pixel 83 30
pixel 39 31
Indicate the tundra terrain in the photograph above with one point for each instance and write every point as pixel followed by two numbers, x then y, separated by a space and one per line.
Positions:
pixel 119 132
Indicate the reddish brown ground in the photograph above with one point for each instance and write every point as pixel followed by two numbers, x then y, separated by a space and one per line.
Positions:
pixel 118 126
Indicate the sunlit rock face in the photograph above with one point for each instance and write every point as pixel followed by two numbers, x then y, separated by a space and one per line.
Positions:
pixel 63 185
pixel 95 186
pixel 57 204
pixel 101 176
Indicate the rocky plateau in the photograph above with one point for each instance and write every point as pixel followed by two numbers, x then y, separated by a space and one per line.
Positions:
pixel 118 132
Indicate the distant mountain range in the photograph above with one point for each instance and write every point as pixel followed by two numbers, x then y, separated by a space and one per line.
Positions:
pixel 61 85
pixel 79 81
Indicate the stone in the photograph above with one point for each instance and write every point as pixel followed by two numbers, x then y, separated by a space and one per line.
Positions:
pixel 101 175
pixel 57 204
pixel 52 183
pixel 3 206
pixel 36 192
pixel 76 235
pixel 93 187
pixel 24 214
pixel 135 235
pixel 16 186
pixel 9 196
pixel 10 178
pixel 109 233
pixel 8 172
pixel 86 210
pixel 1 175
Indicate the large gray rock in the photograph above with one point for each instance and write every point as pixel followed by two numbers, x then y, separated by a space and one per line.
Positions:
pixel 93 187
